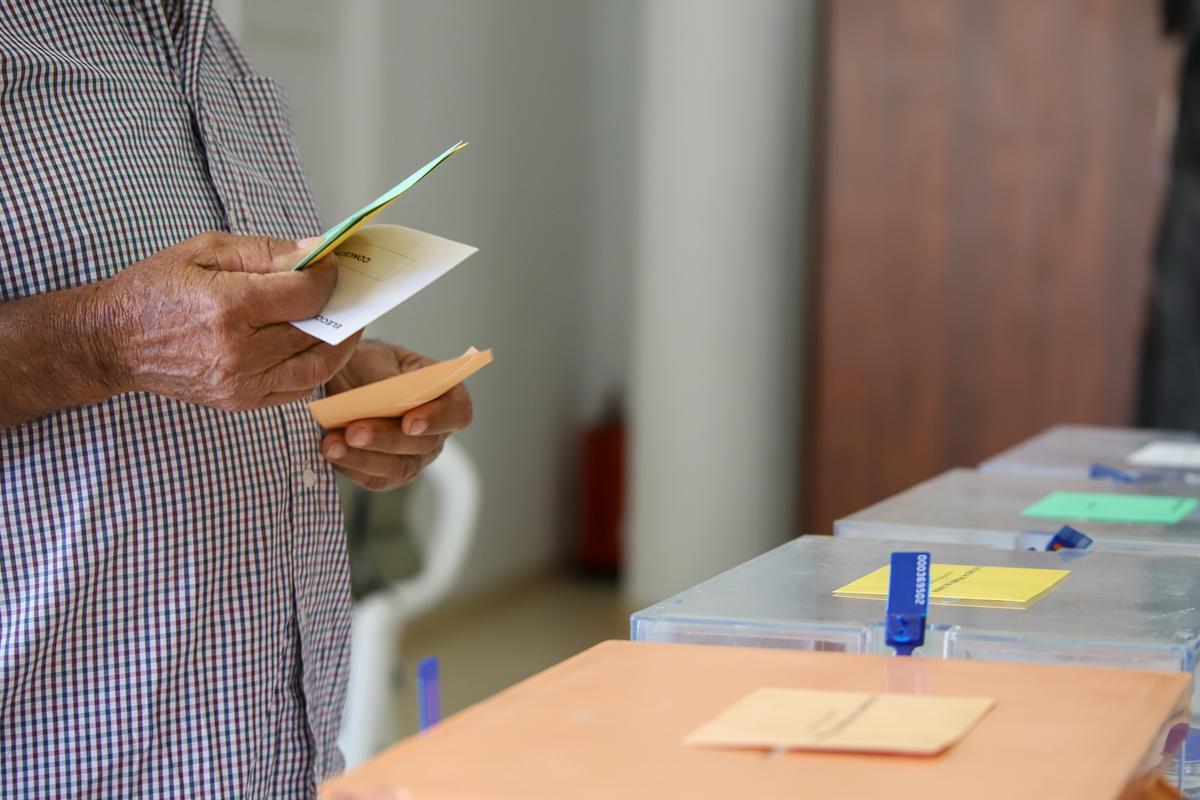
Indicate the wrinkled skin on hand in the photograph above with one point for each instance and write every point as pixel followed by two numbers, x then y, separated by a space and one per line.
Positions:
pixel 206 321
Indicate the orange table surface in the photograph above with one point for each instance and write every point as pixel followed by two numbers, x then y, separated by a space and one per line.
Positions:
pixel 609 722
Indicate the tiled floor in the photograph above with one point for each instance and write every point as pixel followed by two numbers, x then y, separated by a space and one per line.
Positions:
pixel 492 642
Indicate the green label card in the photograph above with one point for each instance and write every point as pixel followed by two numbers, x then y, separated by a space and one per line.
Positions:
pixel 1127 508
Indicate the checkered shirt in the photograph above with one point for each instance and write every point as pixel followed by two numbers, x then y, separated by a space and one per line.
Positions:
pixel 174 601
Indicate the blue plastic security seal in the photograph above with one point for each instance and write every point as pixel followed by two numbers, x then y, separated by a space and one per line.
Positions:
pixel 1103 471
pixel 908 602
pixel 1068 538
pixel 429 695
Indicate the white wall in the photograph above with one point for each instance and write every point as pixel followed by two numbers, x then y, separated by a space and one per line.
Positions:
pixel 717 287
pixel 570 105
pixel 613 123
pixel 377 88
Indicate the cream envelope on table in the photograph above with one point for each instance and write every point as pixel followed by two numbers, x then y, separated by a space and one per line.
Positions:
pixel 818 719
pixel 391 397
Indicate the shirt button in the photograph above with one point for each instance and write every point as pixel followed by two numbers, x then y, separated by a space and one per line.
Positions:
pixel 309 477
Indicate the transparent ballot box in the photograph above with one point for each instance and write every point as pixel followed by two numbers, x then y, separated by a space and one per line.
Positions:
pixel 1086 451
pixel 1110 610
pixel 1024 511
pixel 1132 612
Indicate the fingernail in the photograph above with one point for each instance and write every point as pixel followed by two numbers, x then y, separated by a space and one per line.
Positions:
pixel 417 427
pixel 309 243
pixel 359 437
pixel 337 450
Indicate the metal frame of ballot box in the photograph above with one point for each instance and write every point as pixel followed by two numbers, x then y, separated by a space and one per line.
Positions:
pixel 965 506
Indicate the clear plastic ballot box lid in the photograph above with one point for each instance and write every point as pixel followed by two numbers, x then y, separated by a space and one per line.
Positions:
pixel 985 508
pixel 1072 451
pixel 1110 610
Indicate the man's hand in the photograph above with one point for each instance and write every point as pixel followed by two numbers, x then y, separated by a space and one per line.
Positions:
pixel 382 454
pixel 206 321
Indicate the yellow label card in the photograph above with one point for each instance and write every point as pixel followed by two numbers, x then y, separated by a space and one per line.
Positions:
pixel 960 584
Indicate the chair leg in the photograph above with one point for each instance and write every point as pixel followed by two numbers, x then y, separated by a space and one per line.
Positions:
pixel 369 723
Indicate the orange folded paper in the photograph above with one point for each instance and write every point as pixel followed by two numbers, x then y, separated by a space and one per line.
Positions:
pixel 392 397
pixel 612 722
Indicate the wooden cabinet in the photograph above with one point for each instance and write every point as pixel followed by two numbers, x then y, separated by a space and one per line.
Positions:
pixel 990 182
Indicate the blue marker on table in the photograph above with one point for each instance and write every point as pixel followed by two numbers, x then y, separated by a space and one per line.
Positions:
pixel 429 699
pixel 908 602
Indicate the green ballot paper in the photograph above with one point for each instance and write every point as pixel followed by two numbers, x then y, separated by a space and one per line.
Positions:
pixel 1132 509
pixel 342 231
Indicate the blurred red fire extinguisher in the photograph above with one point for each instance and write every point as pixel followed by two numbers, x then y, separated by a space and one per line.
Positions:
pixel 602 495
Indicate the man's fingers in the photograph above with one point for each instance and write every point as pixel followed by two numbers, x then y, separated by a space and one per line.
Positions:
pixel 291 296
pixel 310 368
pixel 451 412
pixel 269 289
pixel 280 398
pixel 411 362
pixel 281 340
pixel 288 261
pixel 255 254
pixel 375 483
pixel 398 468
pixel 387 436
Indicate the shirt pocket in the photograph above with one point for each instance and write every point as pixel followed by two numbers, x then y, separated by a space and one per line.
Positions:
pixel 247 133
pixel 99 167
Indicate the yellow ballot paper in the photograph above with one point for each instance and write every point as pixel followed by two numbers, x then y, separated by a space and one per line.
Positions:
pixel 821 719
pixel 392 397
pixel 960 584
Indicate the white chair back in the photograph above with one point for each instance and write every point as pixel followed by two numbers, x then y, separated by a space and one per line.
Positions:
pixel 443 516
